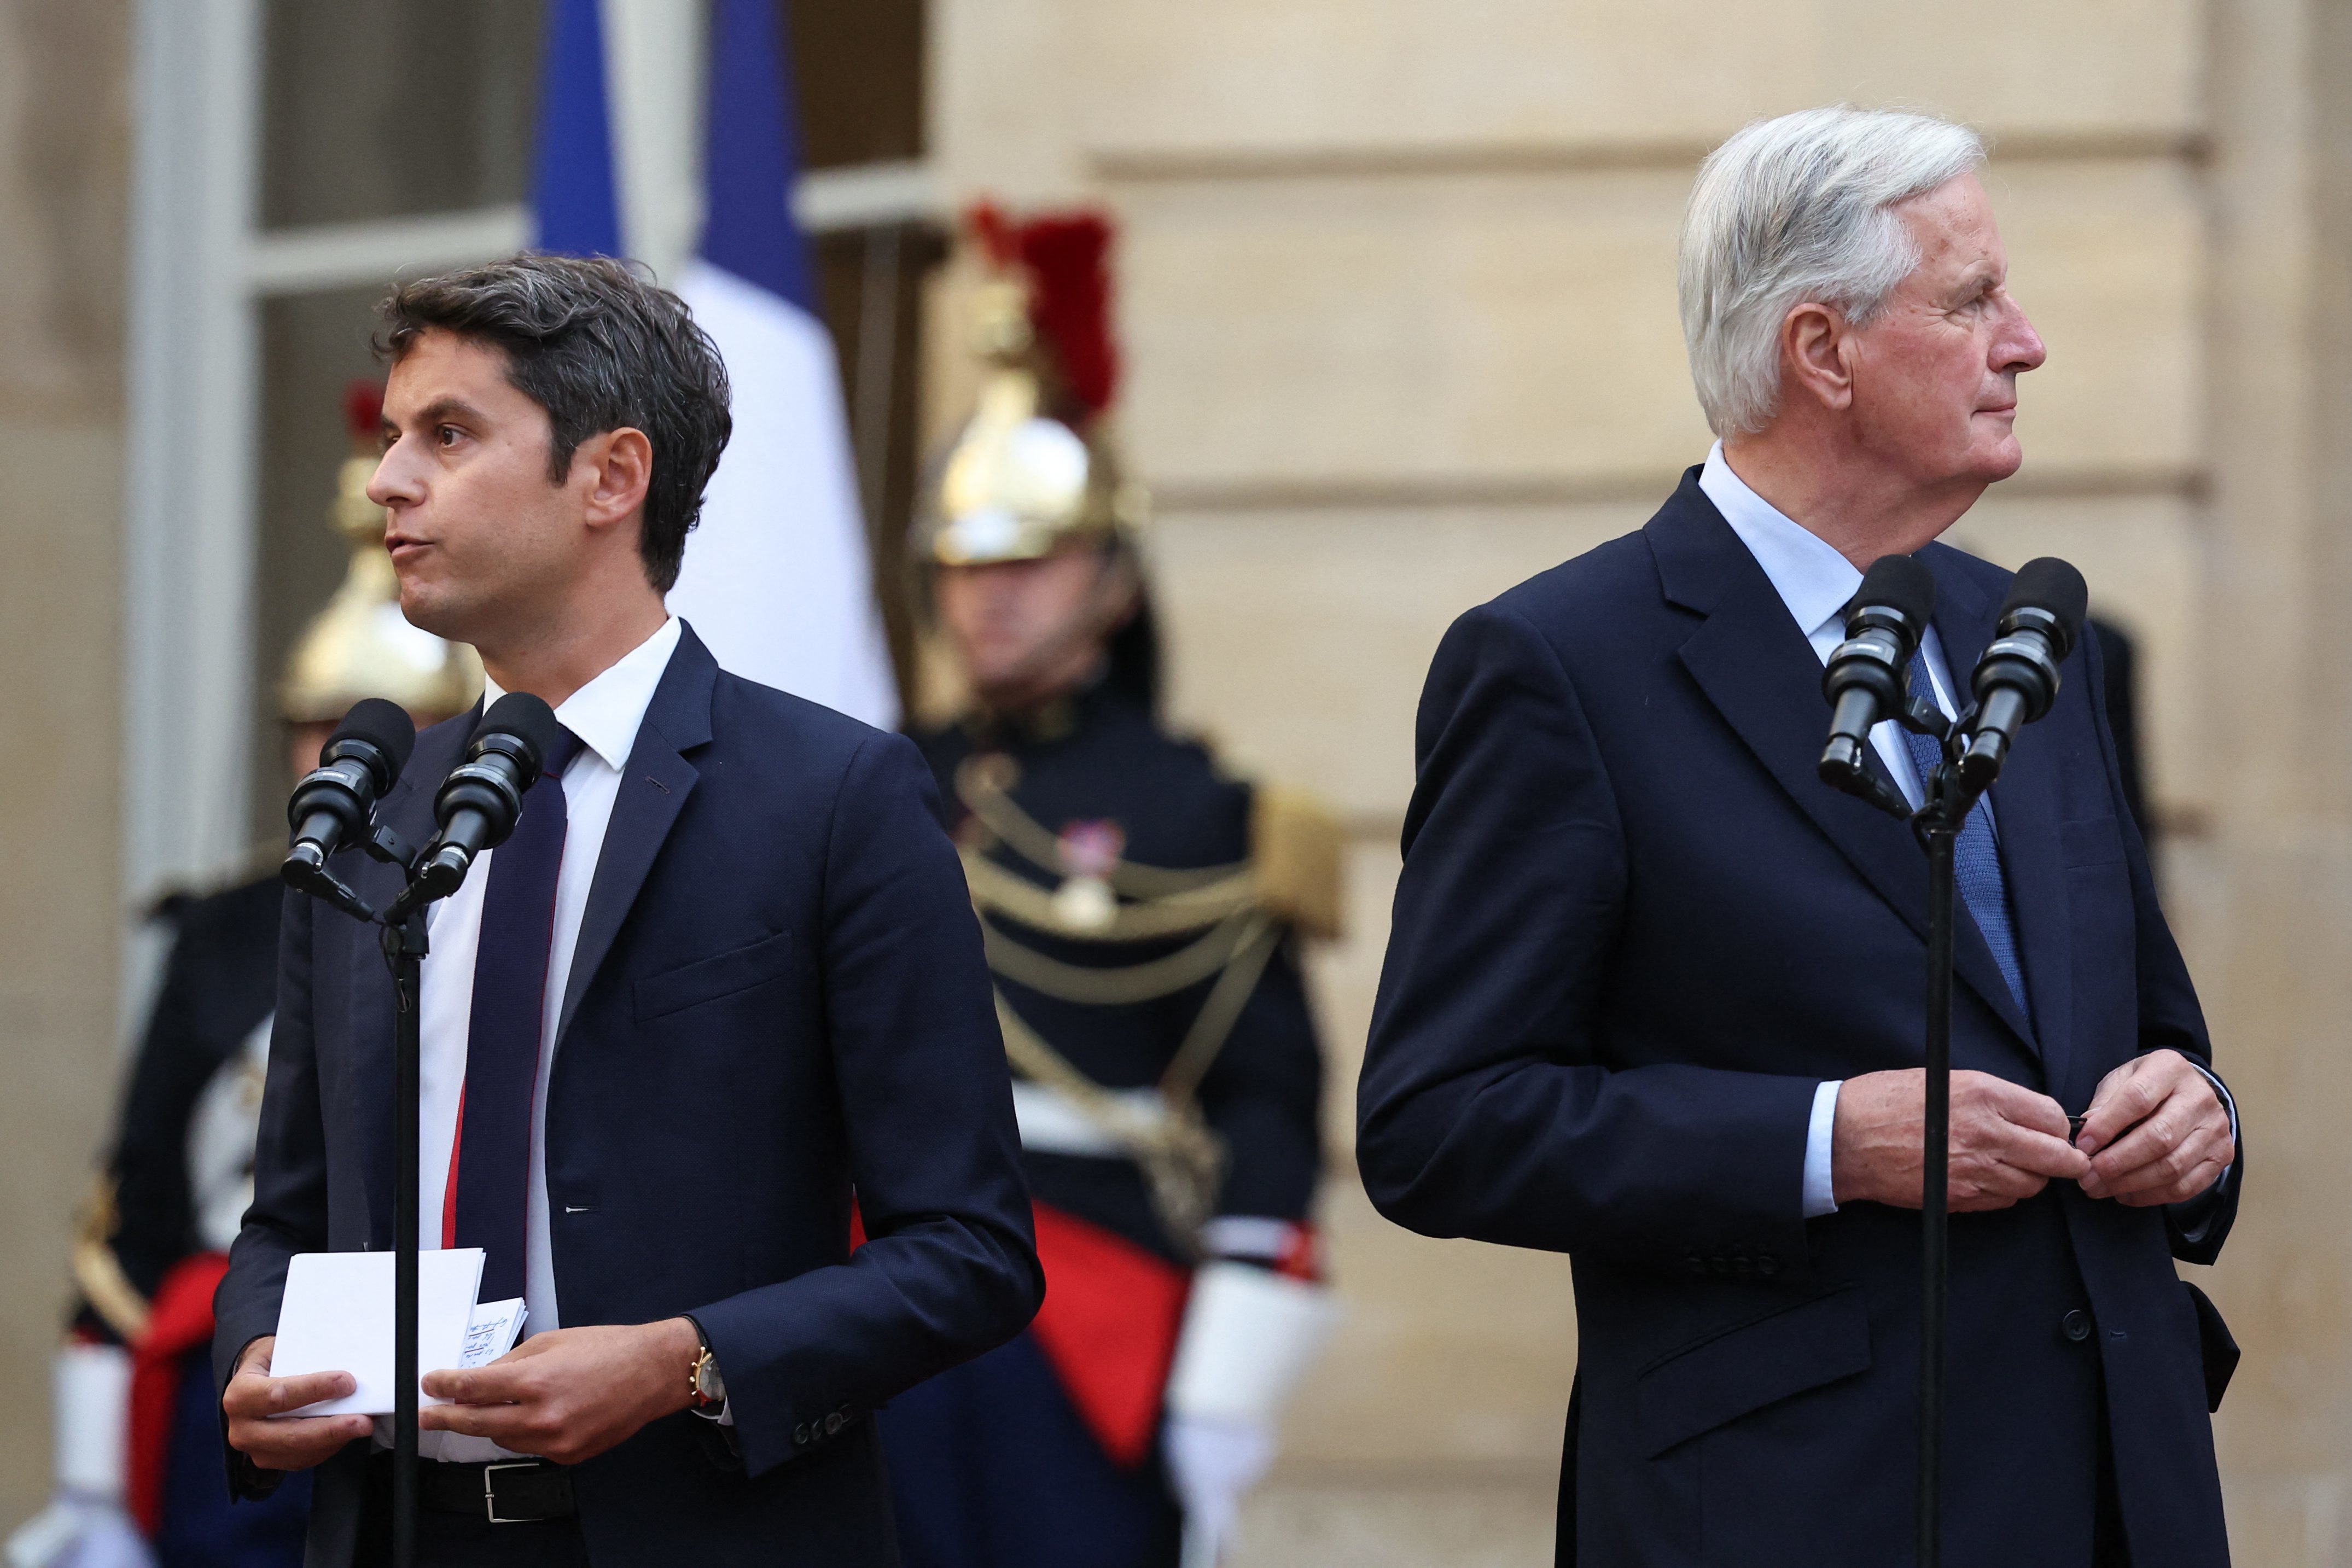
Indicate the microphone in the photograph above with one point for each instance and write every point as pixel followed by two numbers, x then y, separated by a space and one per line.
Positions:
pixel 482 797
pixel 331 805
pixel 2017 679
pixel 1868 676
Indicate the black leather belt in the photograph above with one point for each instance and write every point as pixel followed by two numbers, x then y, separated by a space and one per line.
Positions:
pixel 505 1491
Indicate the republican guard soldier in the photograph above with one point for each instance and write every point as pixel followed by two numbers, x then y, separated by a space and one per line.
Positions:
pixel 1142 914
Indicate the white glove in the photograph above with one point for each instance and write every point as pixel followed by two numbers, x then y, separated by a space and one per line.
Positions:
pixel 85 1525
pixel 1213 1463
pixel 76 1532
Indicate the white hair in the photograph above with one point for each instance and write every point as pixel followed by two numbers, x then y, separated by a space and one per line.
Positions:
pixel 1793 210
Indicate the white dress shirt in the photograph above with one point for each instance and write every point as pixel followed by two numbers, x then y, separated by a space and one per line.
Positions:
pixel 605 715
pixel 1816 583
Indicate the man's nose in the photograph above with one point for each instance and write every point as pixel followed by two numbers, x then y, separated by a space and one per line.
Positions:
pixel 392 484
pixel 2019 346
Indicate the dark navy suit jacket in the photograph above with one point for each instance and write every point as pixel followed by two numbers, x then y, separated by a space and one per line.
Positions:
pixel 1633 932
pixel 778 998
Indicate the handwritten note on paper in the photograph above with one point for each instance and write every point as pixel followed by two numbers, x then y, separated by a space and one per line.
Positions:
pixel 496 1327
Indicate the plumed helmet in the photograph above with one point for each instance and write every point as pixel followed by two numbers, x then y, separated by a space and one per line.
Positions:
pixel 1034 469
pixel 361 645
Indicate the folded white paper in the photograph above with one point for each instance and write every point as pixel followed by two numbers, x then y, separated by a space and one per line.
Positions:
pixel 496 1327
pixel 336 1316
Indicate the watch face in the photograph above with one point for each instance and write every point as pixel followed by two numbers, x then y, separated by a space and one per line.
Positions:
pixel 707 1381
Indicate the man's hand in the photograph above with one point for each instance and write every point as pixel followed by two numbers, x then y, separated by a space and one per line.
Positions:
pixel 2158 1133
pixel 296 1443
pixel 567 1394
pixel 2007 1141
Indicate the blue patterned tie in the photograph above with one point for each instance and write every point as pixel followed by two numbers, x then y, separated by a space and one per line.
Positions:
pixel 1976 858
pixel 489 1177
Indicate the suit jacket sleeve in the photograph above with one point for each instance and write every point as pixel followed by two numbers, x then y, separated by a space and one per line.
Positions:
pixel 2169 1016
pixel 289 1178
pixel 1490 1106
pixel 949 1269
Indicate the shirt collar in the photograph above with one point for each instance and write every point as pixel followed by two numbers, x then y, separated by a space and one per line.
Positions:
pixel 607 712
pixel 1812 578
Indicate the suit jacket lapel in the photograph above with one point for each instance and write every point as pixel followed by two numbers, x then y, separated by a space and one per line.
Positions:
pixel 654 788
pixel 1755 665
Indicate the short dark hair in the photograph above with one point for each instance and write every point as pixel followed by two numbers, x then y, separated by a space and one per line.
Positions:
pixel 600 347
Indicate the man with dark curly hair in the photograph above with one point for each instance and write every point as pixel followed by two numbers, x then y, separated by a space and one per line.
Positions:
pixel 724 972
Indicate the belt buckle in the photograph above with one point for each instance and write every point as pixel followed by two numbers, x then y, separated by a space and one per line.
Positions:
pixel 490 1489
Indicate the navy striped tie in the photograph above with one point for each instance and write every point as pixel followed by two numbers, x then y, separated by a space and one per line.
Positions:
pixel 1976 858
pixel 489 1175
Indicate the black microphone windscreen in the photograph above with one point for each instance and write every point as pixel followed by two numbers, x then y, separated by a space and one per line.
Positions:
pixel 2049 583
pixel 1901 583
pixel 526 718
pixel 383 724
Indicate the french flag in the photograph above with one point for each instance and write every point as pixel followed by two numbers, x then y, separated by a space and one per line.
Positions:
pixel 777 578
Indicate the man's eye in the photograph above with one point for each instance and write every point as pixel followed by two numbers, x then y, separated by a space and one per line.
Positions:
pixel 449 434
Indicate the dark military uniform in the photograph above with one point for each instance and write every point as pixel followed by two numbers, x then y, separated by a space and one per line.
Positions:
pixel 1045 1452
pixel 147 1268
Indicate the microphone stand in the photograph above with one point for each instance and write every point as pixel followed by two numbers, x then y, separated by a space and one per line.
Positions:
pixel 404 945
pixel 1937 825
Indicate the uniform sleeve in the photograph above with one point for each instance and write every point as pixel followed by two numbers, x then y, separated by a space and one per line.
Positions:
pixel 1263 1098
pixel 949 1269
pixel 148 1163
pixel 1488 1107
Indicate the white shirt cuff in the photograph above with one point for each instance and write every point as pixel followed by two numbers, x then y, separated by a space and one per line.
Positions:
pixel 1821 1191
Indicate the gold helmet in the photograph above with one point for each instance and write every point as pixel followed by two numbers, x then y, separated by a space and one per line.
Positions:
pixel 1034 469
pixel 361 645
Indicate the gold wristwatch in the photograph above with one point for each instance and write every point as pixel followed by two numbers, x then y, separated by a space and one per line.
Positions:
pixel 703 1386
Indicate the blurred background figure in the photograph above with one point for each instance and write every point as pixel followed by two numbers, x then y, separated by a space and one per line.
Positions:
pixel 1142 913
pixel 138 1426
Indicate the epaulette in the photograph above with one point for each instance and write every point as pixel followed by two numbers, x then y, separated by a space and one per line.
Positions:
pixel 1298 859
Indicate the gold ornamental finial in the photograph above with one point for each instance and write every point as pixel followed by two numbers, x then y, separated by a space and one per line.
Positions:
pixel 361 645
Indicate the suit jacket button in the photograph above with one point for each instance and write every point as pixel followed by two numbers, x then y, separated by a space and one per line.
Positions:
pixel 1695 1263
pixel 800 1434
pixel 2076 1326
pixel 1768 1265
pixel 833 1424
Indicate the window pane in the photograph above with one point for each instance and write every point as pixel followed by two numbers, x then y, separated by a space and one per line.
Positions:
pixel 376 108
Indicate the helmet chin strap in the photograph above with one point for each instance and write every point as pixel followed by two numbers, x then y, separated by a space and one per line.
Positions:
pixel 1109 603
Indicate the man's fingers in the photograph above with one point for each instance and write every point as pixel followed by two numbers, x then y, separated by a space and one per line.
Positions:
pixel 2042 1154
pixel 2013 1103
pixel 299 1443
pixel 496 1422
pixel 2125 1097
pixel 500 1382
pixel 2204 1175
pixel 2152 1159
pixel 249 1393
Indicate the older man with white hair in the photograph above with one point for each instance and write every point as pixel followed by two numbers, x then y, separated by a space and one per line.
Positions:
pixel 1653 996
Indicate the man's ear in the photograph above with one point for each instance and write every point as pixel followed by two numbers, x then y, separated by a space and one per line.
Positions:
pixel 1816 355
pixel 618 469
